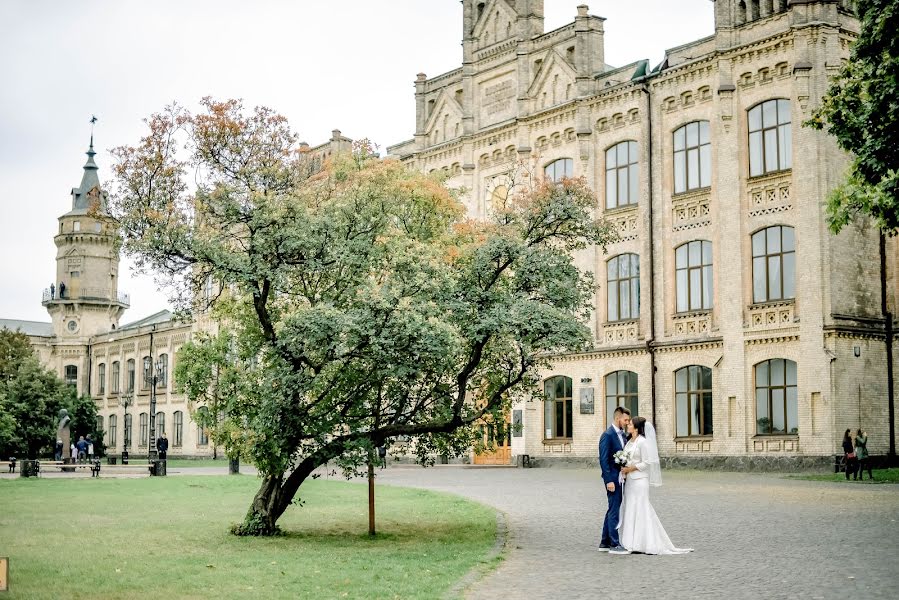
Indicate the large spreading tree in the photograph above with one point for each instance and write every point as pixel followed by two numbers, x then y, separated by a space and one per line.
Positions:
pixel 861 109
pixel 356 304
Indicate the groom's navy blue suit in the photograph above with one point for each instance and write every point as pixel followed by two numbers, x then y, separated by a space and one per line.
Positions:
pixel 609 444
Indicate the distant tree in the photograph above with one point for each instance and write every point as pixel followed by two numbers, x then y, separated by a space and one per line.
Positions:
pixel 31 397
pixel 355 302
pixel 860 109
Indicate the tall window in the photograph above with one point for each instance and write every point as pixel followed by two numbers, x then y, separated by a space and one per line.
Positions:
pixel 110 438
pixel 622 175
pixel 770 137
pixel 148 372
pixel 116 381
pixel 623 287
pixel 557 416
pixel 559 169
pixel 129 383
pixel 98 425
pixel 773 264
pixel 202 436
pixel 163 380
pixel 144 429
pixel 178 427
pixel 71 375
pixel 693 400
pixel 693 276
pixel 101 378
pixel 160 423
pixel 692 157
pixel 128 430
pixel 776 400
pixel 621 390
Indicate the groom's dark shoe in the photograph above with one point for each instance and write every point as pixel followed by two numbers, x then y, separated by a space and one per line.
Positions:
pixel 619 550
pixel 604 548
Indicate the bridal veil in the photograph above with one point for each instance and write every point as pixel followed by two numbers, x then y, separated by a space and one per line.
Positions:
pixel 651 455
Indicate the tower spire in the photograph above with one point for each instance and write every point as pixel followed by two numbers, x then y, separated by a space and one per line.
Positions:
pixel 90 181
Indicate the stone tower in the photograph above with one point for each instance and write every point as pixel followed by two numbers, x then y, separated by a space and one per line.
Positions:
pixel 84 299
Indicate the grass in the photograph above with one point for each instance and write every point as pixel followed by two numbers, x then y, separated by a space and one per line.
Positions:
pixel 880 476
pixel 168 537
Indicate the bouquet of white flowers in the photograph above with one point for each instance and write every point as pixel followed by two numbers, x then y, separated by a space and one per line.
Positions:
pixel 621 457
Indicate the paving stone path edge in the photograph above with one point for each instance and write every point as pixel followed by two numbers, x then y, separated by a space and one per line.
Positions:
pixel 487 564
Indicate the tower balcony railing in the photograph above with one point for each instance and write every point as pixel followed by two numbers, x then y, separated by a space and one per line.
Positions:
pixel 91 294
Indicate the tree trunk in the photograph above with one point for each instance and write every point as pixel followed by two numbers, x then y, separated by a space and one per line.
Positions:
pixel 268 505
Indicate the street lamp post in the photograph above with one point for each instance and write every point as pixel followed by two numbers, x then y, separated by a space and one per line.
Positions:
pixel 125 401
pixel 158 372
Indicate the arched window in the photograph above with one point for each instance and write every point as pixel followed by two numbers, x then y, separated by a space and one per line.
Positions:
pixel 98 425
pixel 178 428
pixel 202 436
pixel 622 175
pixel 101 379
pixel 773 264
pixel 71 375
pixel 559 169
pixel 147 372
pixel 770 137
pixel 623 283
pixel 621 390
pixel 110 438
pixel 129 382
pixel 128 430
pixel 144 432
pixel 557 415
pixel 692 157
pixel 776 399
pixel 693 276
pixel 116 381
pixel 163 361
pixel 160 423
pixel 693 400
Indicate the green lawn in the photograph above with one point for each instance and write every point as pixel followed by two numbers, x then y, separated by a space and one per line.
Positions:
pixel 880 476
pixel 168 538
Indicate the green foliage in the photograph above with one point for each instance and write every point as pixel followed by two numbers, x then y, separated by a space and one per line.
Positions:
pixel 860 109
pixel 356 303
pixel 30 400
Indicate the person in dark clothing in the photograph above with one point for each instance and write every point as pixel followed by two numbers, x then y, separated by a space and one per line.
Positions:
pixel 62 290
pixel 162 446
pixel 382 456
pixel 849 455
pixel 861 453
pixel 81 445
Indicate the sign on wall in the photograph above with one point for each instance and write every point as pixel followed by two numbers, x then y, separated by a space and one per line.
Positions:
pixel 587 401
pixel 517 426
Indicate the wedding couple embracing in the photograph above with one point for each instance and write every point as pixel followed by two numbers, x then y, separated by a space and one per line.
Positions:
pixel 629 458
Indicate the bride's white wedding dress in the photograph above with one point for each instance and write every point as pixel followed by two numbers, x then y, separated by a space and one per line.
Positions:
pixel 639 527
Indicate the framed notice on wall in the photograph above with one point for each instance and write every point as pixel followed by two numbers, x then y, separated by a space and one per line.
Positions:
pixel 4 574
pixel 587 401
pixel 516 423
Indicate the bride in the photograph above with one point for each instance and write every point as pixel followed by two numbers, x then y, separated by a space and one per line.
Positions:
pixel 638 525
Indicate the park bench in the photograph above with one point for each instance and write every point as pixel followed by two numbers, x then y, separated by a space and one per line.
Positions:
pixel 95 467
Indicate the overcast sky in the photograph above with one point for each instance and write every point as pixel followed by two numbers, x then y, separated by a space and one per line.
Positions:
pixel 344 64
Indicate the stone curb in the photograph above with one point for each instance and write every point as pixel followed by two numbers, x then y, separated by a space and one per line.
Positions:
pixel 487 564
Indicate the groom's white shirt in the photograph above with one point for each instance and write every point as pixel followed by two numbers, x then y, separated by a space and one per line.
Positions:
pixel 620 439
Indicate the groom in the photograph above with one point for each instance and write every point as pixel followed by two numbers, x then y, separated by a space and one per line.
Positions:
pixel 611 441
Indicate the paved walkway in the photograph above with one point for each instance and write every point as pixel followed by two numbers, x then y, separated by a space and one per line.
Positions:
pixel 755 536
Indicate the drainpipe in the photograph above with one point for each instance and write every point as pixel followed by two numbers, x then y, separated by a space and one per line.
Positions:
pixel 652 279
pixel 888 322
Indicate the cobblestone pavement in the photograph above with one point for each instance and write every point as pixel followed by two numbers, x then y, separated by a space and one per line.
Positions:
pixel 755 536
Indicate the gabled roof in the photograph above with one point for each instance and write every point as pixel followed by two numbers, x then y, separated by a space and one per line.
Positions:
pixel 34 328
pixel 162 316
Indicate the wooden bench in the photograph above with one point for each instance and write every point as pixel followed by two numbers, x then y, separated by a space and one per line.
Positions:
pixel 94 466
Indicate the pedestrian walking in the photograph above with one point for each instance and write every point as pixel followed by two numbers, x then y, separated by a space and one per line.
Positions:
pixel 861 453
pixel 849 455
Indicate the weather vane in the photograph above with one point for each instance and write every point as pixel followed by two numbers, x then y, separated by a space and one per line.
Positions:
pixel 93 120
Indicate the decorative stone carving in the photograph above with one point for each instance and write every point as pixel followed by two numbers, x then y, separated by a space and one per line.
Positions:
pixel 770 194
pixel 772 315
pixel 620 333
pixel 692 324
pixel 691 210
pixel 624 220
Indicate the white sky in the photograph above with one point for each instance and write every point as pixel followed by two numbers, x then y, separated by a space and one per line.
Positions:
pixel 345 64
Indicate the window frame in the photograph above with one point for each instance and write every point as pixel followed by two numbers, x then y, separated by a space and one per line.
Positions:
pixel 116 380
pixel 783 256
pixel 130 376
pixel 202 435
pixel 632 286
pixel 553 403
pixel 631 169
pixel 177 428
pixel 630 400
pixel 694 397
pixel 682 156
pixel 782 137
pixel 705 277
pixel 771 388
pixel 71 375
pixel 143 429
pixel 160 423
pixel 101 378
pixel 163 380
pixel 129 430
pixel 567 168
pixel 109 437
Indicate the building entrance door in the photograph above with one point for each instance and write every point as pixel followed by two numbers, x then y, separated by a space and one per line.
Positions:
pixel 498 442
